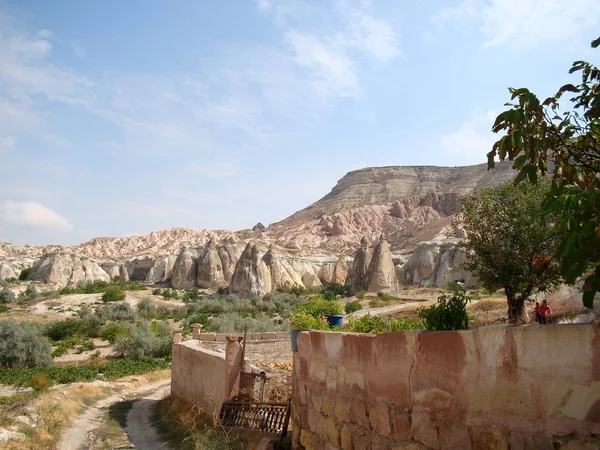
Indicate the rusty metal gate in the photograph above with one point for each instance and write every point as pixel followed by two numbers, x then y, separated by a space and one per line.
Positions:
pixel 264 416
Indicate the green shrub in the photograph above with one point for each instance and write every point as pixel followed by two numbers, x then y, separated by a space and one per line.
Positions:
pixel 361 295
pixel 119 368
pixel 113 331
pixel 24 274
pixel 146 309
pixel 449 313
pixel 85 346
pixel 385 298
pixel 113 294
pixel 353 307
pixel 306 321
pixel 191 295
pixel 6 295
pixel 375 303
pixel 115 312
pixel 23 345
pixel 39 382
pixel 3 308
pixel 141 341
pixel 332 290
pixel 57 331
pixel 381 324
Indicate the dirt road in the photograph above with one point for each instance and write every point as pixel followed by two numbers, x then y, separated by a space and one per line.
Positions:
pixel 76 437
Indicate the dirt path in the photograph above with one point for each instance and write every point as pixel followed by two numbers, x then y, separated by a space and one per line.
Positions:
pixel 140 431
pixel 76 437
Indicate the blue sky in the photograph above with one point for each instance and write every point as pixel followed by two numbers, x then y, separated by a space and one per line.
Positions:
pixel 123 117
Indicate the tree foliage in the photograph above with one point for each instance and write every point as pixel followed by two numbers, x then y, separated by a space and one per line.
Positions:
pixel 540 137
pixel 511 242
pixel 22 345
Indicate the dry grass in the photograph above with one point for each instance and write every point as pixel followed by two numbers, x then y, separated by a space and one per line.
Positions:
pixel 488 304
pixel 56 410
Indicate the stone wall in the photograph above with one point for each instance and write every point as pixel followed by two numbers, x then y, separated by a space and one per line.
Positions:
pixel 198 376
pixel 491 388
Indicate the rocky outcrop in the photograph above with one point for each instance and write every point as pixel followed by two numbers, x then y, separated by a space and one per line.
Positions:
pixel 283 275
pixel 162 270
pixel 381 274
pixel 66 269
pixel 111 268
pixel 7 271
pixel 360 265
pixel 252 276
pixel 210 268
pixel 138 267
pixel 436 263
pixel 340 271
pixel 123 274
pixel 229 254
pixel 185 269
pixel 259 227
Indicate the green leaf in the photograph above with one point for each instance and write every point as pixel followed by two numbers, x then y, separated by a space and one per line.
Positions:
pixel 596 43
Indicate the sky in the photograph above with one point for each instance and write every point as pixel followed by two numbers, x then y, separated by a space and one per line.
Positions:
pixel 118 118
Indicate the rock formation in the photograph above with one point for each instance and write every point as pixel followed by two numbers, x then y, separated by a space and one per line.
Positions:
pixel 229 254
pixel 259 227
pixel 210 268
pixel 252 277
pixel 436 263
pixel 185 269
pixel 162 270
pixel 362 260
pixel 340 271
pixel 66 269
pixel 7 271
pixel 381 274
pixel 123 274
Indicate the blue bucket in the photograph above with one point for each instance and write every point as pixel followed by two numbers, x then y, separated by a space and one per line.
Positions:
pixel 335 320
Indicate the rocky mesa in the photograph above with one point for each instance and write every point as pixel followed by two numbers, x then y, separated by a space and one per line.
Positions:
pixel 378 228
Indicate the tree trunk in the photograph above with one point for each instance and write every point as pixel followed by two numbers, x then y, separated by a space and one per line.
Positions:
pixel 515 306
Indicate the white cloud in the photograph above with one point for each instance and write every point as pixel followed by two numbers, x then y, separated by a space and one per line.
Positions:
pixel 473 140
pixel 32 214
pixel 331 66
pixel 264 5
pixel 525 22
pixel 6 144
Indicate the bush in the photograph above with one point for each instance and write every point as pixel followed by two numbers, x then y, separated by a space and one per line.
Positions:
pixel 39 382
pixel 57 331
pixel 24 274
pixel 6 295
pixel 141 342
pixel 146 309
pixel 233 322
pixel 375 303
pixel 113 294
pixel 449 313
pixel 353 307
pixel 115 312
pixel 112 332
pixel 23 345
pixel 361 295
pixel 305 321
pixel 385 298
pixel 381 324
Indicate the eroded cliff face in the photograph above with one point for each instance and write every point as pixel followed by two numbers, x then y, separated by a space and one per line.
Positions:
pixel 66 269
pixel 407 205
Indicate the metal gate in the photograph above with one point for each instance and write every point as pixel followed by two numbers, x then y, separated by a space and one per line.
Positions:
pixel 265 416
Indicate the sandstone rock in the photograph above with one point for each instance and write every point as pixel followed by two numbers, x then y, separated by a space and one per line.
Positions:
pixel 162 270
pixel 326 272
pixel 7 271
pixel 340 271
pixel 123 274
pixel 362 260
pixel 381 274
pixel 252 277
pixel 311 281
pixel 259 227
pixel 185 269
pixel 210 269
pixel 283 275
pixel 229 254
pixel 436 263
pixel 111 268
pixel 64 269
pixel 139 267
pixel 337 229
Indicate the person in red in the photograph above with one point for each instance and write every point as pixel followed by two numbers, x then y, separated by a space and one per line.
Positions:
pixel 544 311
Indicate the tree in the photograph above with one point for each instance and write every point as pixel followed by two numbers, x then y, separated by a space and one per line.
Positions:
pixel 539 137
pixel 510 242
pixel 22 345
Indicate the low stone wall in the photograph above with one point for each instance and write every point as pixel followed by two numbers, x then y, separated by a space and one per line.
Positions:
pixel 198 376
pixel 491 388
pixel 222 337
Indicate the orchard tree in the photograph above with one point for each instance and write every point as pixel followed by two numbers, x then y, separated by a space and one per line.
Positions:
pixel 510 242
pixel 540 137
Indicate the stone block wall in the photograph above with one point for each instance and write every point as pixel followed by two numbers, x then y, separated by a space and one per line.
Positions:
pixel 198 376
pixel 491 388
